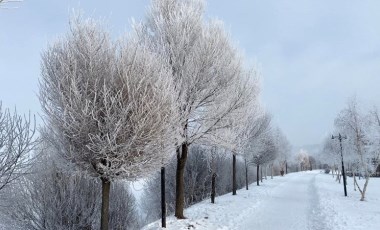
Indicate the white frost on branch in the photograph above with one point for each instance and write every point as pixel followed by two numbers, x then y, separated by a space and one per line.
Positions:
pixel 210 81
pixel 283 148
pixel 362 143
pixel 17 142
pixel 109 104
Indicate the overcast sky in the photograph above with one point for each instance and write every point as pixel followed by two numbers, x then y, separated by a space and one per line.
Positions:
pixel 314 55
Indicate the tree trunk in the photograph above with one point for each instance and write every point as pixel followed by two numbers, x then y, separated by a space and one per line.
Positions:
pixel 266 172
pixel 180 181
pixel 213 187
pixel 332 172
pixel 257 175
pixel 246 174
pixel 338 176
pixel 271 171
pixel 261 174
pixel 106 185
pixel 286 168
pixel 163 201
pixel 234 187
pixel 364 188
pixel 362 192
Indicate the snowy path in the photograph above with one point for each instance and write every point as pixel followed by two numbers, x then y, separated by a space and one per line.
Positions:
pixel 289 202
pixel 297 201
pixel 293 205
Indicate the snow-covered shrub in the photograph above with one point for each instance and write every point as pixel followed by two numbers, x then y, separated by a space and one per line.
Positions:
pixel 55 199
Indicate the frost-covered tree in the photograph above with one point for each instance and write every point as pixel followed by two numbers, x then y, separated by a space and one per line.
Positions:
pixel 283 148
pixel 214 156
pixel 52 199
pixel 374 138
pixel 260 151
pixel 356 126
pixel 330 153
pixel 17 141
pixel 209 79
pixel 257 127
pixel 250 124
pixel 109 105
pixel 302 158
pixel 283 153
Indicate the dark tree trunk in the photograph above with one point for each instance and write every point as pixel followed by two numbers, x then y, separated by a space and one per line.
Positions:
pixel 261 174
pixel 257 175
pixel 180 181
pixel 213 187
pixel 234 187
pixel 106 185
pixel 246 174
pixel 163 201
pixel 286 168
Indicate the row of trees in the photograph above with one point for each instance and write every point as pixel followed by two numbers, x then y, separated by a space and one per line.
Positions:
pixel 361 143
pixel 215 93
pixel 122 109
pixel 199 176
pixel 53 196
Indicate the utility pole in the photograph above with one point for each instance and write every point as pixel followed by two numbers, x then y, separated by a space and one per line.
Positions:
pixel 163 201
pixel 340 137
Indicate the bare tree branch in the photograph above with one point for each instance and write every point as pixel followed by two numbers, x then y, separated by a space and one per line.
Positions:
pixel 17 142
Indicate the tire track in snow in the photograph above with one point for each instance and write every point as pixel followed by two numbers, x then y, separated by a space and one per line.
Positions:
pixel 316 218
pixel 285 207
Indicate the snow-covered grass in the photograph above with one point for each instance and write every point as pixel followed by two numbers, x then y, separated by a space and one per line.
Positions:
pixel 305 200
pixel 349 212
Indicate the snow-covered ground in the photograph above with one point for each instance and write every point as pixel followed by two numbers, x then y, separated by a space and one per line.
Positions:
pixel 349 212
pixel 297 201
pixel 305 200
